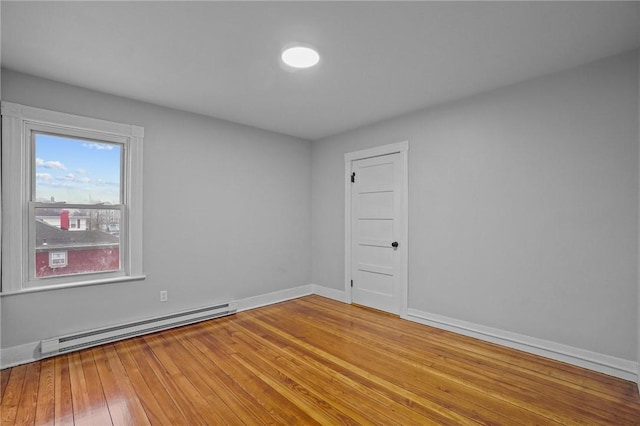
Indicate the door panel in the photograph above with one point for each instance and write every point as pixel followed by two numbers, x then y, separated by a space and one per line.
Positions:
pixel 378 174
pixel 376 229
pixel 377 284
pixel 375 209
pixel 375 255
pixel 375 205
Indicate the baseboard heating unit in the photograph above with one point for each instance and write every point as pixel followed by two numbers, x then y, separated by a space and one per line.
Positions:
pixel 86 339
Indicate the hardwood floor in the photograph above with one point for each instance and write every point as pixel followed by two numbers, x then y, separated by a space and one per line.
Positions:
pixel 310 361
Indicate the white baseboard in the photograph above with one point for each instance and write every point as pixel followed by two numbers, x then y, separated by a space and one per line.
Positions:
pixel 329 293
pixel 275 297
pixel 21 354
pixel 617 367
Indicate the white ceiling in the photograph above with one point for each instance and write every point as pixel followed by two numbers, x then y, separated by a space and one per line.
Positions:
pixel 379 59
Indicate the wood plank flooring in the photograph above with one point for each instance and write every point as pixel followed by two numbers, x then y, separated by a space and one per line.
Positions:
pixel 310 361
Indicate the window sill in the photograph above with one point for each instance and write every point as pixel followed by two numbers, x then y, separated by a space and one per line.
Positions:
pixel 73 285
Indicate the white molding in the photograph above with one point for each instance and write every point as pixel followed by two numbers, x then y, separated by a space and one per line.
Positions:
pixel 275 297
pixel 55 118
pixel 402 148
pixel 137 131
pixel 602 363
pixel 330 293
pixel 134 197
pixel 11 110
pixel 114 280
pixel 404 231
pixel 21 354
pixel 13 194
pixel 377 151
pixel 638 260
pixel 347 230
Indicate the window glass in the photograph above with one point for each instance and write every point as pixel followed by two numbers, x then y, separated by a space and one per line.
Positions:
pixel 76 171
pixel 61 249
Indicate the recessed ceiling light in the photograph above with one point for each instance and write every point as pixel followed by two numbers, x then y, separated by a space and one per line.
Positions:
pixel 300 57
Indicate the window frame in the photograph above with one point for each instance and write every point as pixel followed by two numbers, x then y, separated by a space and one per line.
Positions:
pixel 19 122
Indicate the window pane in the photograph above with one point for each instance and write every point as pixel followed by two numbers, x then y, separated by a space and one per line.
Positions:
pixel 92 244
pixel 76 171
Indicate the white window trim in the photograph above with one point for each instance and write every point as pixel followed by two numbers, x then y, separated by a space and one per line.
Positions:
pixel 16 169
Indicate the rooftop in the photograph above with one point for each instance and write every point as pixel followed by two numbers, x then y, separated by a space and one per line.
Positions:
pixel 53 237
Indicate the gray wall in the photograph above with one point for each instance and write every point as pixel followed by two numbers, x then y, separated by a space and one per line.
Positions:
pixel 226 216
pixel 523 210
pixel 523 206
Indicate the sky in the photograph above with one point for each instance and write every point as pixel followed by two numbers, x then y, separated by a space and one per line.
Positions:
pixel 76 170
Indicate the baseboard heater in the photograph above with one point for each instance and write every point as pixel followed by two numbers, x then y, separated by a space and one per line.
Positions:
pixel 86 339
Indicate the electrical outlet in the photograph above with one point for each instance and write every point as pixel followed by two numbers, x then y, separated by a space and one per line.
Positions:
pixel 163 296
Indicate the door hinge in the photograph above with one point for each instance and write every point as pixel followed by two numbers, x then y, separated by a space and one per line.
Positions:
pixel 353 177
pixel 351 283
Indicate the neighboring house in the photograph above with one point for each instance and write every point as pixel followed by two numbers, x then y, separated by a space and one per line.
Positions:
pixel 113 229
pixel 76 223
pixel 62 252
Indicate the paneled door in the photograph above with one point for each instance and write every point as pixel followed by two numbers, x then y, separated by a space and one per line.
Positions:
pixel 375 232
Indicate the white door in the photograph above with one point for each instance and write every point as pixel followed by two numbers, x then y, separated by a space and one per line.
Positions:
pixel 375 232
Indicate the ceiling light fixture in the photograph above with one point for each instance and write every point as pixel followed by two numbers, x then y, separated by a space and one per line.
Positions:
pixel 300 57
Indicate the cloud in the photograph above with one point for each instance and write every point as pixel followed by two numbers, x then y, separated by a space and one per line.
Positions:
pixel 50 164
pixel 82 171
pixel 70 177
pixel 103 182
pixel 99 146
pixel 44 176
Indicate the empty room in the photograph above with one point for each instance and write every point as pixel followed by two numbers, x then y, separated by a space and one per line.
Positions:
pixel 371 213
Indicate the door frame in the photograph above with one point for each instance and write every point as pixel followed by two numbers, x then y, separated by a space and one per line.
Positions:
pixel 401 148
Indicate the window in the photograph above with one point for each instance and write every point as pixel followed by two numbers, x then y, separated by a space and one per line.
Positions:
pixel 72 200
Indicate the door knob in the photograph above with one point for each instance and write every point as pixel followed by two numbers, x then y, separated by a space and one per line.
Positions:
pixel 394 244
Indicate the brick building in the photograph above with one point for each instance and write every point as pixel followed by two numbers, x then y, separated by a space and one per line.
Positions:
pixel 62 251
